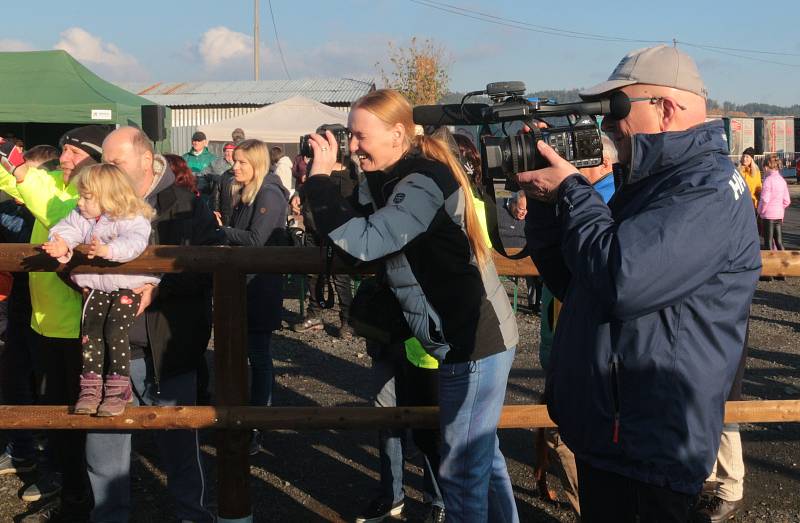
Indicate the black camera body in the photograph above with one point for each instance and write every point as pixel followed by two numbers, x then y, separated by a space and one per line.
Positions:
pixel 578 142
pixel 342 135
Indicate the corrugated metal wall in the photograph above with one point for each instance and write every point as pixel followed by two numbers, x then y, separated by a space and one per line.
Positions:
pixel 188 116
pixel 185 121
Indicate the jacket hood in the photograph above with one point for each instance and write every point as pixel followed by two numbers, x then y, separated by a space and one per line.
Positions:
pixel 164 177
pixel 656 153
pixel 273 179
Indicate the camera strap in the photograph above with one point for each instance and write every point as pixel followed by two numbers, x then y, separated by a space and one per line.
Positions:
pixel 493 229
pixel 325 281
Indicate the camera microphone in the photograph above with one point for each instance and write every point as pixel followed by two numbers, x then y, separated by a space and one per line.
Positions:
pixel 450 114
pixel 616 106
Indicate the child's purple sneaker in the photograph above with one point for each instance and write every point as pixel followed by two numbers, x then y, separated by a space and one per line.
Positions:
pixel 117 394
pixel 91 392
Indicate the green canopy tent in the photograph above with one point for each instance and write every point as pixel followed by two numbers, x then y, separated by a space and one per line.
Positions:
pixel 45 93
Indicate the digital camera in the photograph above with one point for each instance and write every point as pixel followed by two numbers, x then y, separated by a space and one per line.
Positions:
pixel 342 135
pixel 504 157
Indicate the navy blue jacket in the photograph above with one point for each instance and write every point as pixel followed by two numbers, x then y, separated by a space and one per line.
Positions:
pixel 261 223
pixel 656 288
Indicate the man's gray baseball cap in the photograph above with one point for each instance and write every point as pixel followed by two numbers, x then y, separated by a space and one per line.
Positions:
pixel 660 65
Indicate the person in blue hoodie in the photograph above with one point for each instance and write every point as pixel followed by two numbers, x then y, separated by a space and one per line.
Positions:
pixel 654 315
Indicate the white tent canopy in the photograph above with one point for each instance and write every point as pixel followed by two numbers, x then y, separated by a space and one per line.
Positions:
pixel 281 122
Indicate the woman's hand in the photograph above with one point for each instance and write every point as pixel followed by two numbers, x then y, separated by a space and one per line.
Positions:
pixel 148 291
pixel 56 247
pixel 218 216
pixel 325 148
pixel 98 249
pixel 294 205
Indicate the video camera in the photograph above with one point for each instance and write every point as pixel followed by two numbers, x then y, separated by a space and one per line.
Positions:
pixel 342 135
pixel 503 157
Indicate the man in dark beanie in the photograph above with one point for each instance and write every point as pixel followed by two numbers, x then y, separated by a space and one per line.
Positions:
pixel 82 144
pixel 55 320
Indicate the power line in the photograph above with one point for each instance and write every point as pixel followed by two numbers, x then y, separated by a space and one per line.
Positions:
pixel 751 58
pixel 756 51
pixel 566 33
pixel 278 41
pixel 525 26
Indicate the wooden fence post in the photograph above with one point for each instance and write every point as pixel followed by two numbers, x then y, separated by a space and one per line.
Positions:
pixel 230 366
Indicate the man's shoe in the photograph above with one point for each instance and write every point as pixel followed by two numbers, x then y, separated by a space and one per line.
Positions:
pixel 346 332
pixel 10 465
pixel 379 510
pixel 434 514
pixel 311 324
pixel 717 510
pixel 48 485
pixel 50 512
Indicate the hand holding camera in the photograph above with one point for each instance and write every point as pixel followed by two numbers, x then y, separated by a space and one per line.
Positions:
pixel 323 153
pixel 330 140
pixel 542 184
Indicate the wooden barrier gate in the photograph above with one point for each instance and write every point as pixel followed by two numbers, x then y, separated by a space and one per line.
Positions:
pixel 229 266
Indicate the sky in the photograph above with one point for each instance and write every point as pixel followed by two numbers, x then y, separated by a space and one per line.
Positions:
pixel 544 44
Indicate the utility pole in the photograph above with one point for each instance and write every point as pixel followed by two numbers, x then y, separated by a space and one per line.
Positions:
pixel 256 60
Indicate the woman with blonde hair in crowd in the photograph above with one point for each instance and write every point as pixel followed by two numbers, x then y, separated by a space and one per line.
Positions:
pixel 414 214
pixel 259 219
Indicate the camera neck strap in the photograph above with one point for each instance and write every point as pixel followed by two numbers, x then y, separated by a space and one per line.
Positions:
pixel 493 228
pixel 324 288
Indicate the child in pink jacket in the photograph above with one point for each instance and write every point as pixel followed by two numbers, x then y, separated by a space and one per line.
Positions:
pixel 774 200
pixel 115 222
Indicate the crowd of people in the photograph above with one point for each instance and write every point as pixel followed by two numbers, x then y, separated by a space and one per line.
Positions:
pixel 644 322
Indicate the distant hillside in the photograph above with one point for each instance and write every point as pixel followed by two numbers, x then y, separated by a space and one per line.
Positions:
pixel 723 108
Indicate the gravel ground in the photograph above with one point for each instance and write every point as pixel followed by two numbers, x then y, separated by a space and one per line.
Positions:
pixel 330 475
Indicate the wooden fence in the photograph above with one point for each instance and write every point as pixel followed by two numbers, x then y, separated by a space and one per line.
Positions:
pixel 233 420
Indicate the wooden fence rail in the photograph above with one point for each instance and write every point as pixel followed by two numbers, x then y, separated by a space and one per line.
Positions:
pixel 323 418
pixel 229 266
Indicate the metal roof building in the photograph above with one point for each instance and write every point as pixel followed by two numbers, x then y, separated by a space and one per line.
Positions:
pixel 198 103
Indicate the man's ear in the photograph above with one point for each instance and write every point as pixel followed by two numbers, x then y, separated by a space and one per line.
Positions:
pixel 147 161
pixel 669 110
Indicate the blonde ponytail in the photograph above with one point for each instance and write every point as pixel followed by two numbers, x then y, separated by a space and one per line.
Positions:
pixel 437 149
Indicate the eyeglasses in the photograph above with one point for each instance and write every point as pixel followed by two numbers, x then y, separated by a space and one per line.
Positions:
pixel 654 100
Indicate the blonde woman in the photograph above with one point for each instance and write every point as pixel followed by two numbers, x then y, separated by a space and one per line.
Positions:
pixel 414 214
pixel 115 223
pixel 258 219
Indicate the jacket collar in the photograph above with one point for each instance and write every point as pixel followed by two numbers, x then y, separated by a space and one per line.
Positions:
pixel 659 153
pixel 381 183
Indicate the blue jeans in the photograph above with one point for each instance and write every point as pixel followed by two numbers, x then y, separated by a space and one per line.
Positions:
pixel 108 454
pixel 473 475
pixel 261 369
pixel 390 442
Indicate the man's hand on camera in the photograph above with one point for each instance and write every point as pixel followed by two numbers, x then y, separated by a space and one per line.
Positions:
pixel 542 184
pixel 325 149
